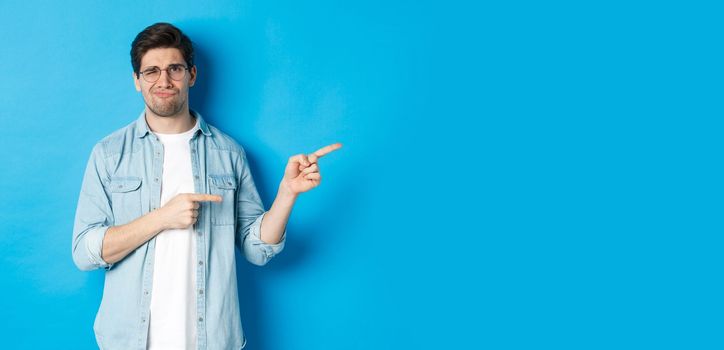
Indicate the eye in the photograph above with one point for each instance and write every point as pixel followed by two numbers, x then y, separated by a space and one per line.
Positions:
pixel 151 71
pixel 176 68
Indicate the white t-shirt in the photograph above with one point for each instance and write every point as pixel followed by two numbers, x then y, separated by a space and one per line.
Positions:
pixel 173 299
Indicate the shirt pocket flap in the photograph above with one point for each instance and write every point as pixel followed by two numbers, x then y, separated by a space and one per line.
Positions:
pixel 125 184
pixel 226 182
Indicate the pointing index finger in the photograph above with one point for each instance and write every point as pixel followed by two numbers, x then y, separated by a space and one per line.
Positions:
pixel 324 150
pixel 200 197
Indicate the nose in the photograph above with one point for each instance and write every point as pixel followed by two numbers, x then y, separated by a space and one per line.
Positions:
pixel 164 80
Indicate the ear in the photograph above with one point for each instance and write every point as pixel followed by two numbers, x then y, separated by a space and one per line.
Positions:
pixel 192 74
pixel 136 82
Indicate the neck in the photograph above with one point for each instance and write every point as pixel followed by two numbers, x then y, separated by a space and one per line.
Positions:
pixel 175 124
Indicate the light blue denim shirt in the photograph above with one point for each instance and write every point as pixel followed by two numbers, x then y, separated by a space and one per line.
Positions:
pixel 123 182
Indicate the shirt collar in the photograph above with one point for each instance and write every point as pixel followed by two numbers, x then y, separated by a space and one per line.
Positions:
pixel 142 126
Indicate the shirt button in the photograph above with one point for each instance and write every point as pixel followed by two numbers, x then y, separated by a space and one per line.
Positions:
pixel 196 177
pixel 201 291
pixel 201 262
pixel 145 292
pixel 156 179
pixel 201 319
pixel 193 151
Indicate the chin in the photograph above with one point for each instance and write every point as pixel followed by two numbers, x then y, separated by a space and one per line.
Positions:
pixel 166 112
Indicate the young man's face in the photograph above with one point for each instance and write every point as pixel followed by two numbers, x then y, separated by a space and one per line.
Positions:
pixel 165 97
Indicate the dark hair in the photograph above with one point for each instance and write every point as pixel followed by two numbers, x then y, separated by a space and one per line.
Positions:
pixel 160 35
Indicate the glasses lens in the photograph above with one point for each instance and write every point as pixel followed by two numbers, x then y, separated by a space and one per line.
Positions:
pixel 151 75
pixel 177 72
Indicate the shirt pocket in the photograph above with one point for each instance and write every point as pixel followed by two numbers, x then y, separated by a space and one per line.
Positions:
pixel 224 186
pixel 125 199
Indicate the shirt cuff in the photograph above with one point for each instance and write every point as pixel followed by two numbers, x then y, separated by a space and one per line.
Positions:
pixel 270 250
pixel 94 247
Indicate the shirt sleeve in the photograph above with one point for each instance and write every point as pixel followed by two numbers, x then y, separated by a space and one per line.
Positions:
pixel 250 213
pixel 93 216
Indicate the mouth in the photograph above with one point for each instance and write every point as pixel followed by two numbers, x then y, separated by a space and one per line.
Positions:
pixel 164 94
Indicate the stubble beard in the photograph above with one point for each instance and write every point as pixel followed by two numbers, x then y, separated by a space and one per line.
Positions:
pixel 165 108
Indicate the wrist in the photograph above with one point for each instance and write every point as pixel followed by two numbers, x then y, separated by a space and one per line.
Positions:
pixel 285 193
pixel 156 220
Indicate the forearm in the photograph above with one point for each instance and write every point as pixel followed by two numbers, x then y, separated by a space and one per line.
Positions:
pixel 275 220
pixel 121 240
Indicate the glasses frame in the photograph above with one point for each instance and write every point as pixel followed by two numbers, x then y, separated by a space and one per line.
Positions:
pixel 161 72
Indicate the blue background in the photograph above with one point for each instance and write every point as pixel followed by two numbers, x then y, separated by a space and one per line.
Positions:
pixel 527 175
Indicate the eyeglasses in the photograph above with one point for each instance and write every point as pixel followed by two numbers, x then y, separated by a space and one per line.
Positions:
pixel 174 71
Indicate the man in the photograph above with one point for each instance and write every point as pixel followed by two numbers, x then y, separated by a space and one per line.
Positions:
pixel 163 203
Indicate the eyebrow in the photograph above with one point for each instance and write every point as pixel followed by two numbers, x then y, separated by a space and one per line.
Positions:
pixel 170 64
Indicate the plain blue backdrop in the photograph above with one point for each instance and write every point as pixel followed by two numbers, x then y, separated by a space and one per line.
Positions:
pixel 515 175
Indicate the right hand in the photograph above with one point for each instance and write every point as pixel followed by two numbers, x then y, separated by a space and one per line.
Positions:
pixel 183 210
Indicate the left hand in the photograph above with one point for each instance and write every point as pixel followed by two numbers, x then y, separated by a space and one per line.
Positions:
pixel 302 171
